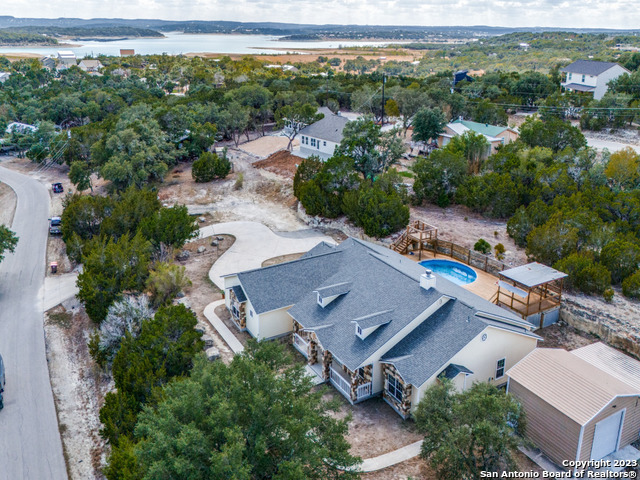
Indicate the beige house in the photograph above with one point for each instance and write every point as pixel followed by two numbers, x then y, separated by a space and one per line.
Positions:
pixel 90 65
pixel 580 405
pixel 373 323
pixel 495 135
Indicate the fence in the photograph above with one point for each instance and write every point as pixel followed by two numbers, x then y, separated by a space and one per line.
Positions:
pixel 465 255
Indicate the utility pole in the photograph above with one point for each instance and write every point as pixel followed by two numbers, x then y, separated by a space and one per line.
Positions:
pixel 384 80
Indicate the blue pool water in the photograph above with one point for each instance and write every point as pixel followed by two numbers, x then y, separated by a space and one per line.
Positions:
pixel 454 271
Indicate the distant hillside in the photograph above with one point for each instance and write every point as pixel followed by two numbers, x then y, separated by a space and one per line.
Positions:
pixel 21 38
pixel 81 32
pixel 280 29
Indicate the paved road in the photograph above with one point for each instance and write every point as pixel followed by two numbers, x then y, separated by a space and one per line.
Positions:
pixel 30 445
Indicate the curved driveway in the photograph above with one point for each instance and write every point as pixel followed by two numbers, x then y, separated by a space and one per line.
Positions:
pixel 30 445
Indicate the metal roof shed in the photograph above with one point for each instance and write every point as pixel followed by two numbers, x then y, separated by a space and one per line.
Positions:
pixel 530 290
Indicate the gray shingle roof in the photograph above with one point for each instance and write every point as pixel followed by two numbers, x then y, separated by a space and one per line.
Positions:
pixel 533 274
pixel 239 293
pixel 432 344
pixel 332 290
pixel 588 67
pixel 453 370
pixel 383 285
pixel 329 128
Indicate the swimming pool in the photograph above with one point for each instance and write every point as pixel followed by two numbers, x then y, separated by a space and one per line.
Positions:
pixel 456 272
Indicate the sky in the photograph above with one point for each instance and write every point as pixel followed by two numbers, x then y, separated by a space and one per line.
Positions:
pixel 508 13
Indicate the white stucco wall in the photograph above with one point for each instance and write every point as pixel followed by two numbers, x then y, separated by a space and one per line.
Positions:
pixel 270 324
pixel 481 357
pixel 604 78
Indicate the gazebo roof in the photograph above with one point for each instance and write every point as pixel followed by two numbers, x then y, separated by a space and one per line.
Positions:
pixel 533 274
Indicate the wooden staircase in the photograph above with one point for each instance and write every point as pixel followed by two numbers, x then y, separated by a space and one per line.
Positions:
pixel 417 232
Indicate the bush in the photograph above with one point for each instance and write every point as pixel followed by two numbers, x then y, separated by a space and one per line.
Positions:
pixel 499 249
pixel 165 282
pixel 585 275
pixel 622 258
pixel 482 246
pixel 378 212
pixel 631 286
pixel 239 181
pixel 210 166
pixel 608 295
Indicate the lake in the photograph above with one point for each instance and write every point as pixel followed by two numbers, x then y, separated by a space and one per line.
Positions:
pixel 176 43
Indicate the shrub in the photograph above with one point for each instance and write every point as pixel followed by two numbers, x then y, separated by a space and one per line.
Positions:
pixel 499 249
pixel 165 282
pixel 482 246
pixel 585 275
pixel 608 295
pixel 622 258
pixel 239 181
pixel 210 166
pixel 631 285
pixel 378 212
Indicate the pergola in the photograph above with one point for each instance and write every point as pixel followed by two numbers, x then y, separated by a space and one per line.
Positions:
pixel 530 289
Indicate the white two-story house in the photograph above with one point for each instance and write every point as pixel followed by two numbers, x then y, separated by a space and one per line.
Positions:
pixel 591 77
pixel 322 137
pixel 374 323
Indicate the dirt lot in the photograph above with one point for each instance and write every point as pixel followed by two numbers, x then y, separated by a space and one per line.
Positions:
pixel 282 163
pixel 202 291
pixel 267 145
pixel 78 386
pixel 458 224
pixel 561 335
pixel 8 201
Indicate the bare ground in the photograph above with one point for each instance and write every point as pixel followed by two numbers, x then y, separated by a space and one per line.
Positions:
pixel 79 387
pixel 561 335
pixel 202 291
pixel 8 202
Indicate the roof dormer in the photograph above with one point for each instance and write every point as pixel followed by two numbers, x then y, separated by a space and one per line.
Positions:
pixel 368 324
pixel 328 294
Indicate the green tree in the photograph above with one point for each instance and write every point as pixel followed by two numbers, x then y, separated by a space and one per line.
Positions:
pixel 482 246
pixel 164 349
pixel 552 241
pixel 470 432
pixel 210 166
pixel 474 147
pixel 555 134
pixel 631 285
pixel 208 427
pixel 623 168
pixel 622 258
pixel 380 213
pixel 80 175
pixel 438 176
pixel 428 123
pixel 8 241
pixel 584 273
pixel 110 268
pixel 169 226
pixel 371 150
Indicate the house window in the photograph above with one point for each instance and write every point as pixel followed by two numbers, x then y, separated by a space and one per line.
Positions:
pixel 324 144
pixel 570 76
pixel 361 372
pixel 500 368
pixel 251 313
pixel 313 142
pixel 394 388
pixel 582 78
pixel 358 330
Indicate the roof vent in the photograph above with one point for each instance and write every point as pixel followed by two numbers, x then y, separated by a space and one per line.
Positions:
pixel 428 280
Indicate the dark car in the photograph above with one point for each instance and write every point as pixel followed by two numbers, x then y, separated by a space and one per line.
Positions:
pixel 55 226
pixel 57 187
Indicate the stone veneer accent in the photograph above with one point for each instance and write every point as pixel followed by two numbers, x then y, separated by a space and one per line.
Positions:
pixel 403 408
pixel 242 321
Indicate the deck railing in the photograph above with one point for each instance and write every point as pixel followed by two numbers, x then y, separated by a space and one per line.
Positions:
pixel 301 344
pixel 340 383
pixel 364 391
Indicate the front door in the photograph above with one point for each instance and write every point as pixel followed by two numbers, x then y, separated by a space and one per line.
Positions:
pixel 607 435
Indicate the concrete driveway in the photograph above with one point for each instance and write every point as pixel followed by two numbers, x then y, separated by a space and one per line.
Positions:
pixel 254 244
pixel 30 445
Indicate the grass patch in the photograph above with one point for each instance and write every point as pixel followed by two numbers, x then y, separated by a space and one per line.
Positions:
pixel 406 174
pixel 61 319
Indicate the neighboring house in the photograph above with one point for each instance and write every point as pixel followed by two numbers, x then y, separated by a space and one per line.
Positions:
pixel 90 66
pixel 322 137
pixel 461 75
pixel 580 405
pixel 4 76
pixel 591 77
pixel 121 72
pixel 374 323
pixel 48 62
pixel 18 127
pixel 66 58
pixel 126 52
pixel 495 135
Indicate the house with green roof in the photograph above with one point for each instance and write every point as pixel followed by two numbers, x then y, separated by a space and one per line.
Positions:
pixel 495 135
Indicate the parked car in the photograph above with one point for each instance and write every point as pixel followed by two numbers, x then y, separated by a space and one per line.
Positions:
pixel 55 226
pixel 57 187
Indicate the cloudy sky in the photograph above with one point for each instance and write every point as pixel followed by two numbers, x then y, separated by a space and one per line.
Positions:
pixel 529 13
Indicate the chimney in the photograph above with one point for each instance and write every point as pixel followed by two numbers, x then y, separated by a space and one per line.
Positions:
pixel 428 280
